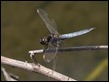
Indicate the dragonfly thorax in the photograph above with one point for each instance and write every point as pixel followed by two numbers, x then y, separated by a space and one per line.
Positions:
pixel 51 38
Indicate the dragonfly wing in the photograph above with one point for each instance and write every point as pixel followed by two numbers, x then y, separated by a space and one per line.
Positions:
pixel 74 34
pixel 48 57
pixel 55 57
pixel 49 23
pixel 54 24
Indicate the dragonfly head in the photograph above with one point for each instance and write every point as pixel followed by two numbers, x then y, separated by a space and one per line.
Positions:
pixel 43 41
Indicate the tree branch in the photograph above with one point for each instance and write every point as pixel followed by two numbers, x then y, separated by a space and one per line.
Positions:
pixel 35 68
pixel 8 76
pixel 38 68
pixel 80 48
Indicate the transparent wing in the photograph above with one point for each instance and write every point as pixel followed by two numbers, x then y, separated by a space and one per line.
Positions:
pixel 55 56
pixel 55 26
pixel 51 25
pixel 48 57
pixel 74 34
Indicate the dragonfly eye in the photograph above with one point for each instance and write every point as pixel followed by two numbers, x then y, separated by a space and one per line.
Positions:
pixel 43 41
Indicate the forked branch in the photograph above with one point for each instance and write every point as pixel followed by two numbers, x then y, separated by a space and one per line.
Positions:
pixel 35 68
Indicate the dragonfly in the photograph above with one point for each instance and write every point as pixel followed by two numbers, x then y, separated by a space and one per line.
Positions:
pixel 53 40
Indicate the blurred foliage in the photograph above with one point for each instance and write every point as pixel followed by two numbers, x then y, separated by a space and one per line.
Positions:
pixel 21 28
pixel 98 70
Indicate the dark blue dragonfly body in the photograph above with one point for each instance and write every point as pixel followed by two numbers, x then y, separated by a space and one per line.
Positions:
pixel 53 40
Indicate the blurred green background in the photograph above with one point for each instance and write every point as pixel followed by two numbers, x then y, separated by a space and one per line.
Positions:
pixel 22 27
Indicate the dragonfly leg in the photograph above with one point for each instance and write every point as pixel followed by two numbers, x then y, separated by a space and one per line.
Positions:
pixel 55 45
pixel 45 48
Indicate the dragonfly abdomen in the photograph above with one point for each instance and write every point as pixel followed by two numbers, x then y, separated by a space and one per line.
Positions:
pixel 74 34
